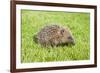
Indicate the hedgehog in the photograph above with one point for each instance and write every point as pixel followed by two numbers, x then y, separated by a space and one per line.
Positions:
pixel 54 35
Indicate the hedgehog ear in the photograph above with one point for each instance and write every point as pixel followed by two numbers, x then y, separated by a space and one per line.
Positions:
pixel 62 31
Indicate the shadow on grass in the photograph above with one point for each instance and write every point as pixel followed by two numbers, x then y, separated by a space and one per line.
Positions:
pixel 35 38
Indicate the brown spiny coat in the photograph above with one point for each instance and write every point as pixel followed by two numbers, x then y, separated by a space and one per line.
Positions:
pixel 54 35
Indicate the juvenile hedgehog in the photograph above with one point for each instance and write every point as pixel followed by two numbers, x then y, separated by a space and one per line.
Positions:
pixel 54 35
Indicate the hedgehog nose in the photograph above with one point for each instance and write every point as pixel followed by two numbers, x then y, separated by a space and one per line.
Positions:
pixel 71 40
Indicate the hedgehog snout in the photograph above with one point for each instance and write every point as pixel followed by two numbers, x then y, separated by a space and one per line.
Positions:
pixel 71 40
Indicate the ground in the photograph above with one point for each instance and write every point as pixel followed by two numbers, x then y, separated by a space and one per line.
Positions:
pixel 33 21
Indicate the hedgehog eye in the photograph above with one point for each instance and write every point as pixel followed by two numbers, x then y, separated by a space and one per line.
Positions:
pixel 62 31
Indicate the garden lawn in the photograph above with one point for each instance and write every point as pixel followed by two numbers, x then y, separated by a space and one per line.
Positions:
pixel 33 21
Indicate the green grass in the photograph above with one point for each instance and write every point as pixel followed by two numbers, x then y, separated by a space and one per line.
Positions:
pixel 33 21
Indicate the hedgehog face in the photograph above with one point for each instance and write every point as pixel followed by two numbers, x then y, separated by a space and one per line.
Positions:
pixel 67 37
